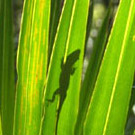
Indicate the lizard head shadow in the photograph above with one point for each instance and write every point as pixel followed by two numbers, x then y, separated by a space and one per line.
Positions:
pixel 67 69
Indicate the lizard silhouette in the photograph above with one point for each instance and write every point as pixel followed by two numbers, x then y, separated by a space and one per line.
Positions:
pixel 67 70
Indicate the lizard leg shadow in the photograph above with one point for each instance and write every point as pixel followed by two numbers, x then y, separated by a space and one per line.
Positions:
pixel 57 92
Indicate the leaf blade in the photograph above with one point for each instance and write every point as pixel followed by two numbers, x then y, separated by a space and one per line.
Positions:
pixel 31 66
pixel 56 7
pixel 66 47
pixel 7 82
pixel 110 78
pixel 91 73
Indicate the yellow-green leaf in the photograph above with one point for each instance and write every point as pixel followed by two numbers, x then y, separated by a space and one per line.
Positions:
pixel 109 103
pixel 64 76
pixel 91 73
pixel 31 66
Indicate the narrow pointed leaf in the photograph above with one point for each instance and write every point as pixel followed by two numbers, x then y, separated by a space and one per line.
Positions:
pixel 91 73
pixel 64 76
pixel 89 21
pixel 56 6
pixel 31 66
pixel 113 86
pixel 7 82
pixel 75 44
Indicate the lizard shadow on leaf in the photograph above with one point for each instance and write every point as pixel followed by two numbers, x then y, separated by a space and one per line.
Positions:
pixel 67 70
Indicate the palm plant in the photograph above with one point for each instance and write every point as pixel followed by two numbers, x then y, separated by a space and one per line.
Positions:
pixel 50 97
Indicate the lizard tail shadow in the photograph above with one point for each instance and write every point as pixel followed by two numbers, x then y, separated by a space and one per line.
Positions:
pixel 67 70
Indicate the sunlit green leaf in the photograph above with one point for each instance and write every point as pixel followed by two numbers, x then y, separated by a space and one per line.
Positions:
pixel 51 97
pixel 31 66
pixel 91 73
pixel 113 86
pixel 64 76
